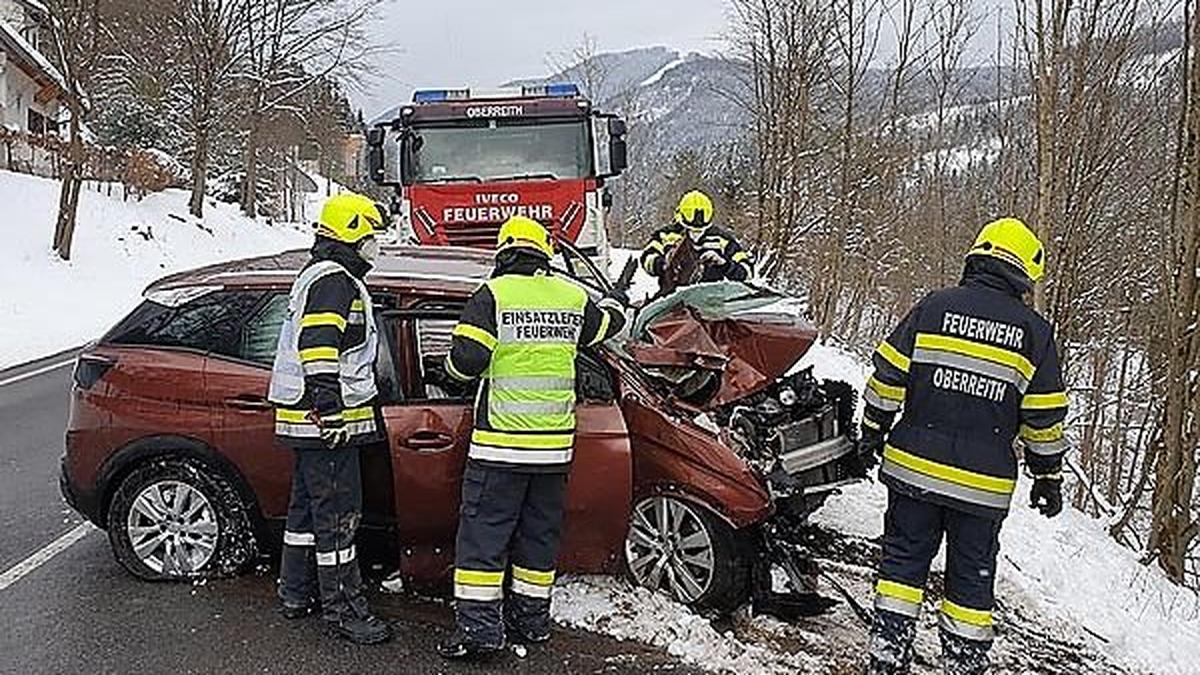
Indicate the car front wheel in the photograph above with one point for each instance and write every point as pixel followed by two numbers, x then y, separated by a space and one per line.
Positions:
pixel 683 549
pixel 176 519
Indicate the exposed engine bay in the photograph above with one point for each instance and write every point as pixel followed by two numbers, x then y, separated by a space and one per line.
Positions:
pixel 793 433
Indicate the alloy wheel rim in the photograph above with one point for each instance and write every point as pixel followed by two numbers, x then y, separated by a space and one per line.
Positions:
pixel 172 528
pixel 669 548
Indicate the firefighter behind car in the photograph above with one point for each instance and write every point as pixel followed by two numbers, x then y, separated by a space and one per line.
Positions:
pixel 720 256
pixel 323 386
pixel 519 332
pixel 974 368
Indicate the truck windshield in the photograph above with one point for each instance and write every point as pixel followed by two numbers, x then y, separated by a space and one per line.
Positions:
pixel 495 149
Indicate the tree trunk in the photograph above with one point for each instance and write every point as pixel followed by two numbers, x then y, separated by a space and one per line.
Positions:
pixel 1172 528
pixel 250 189
pixel 199 171
pixel 72 182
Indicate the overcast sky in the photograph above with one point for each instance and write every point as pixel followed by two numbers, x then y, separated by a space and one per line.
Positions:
pixel 487 42
pixel 483 43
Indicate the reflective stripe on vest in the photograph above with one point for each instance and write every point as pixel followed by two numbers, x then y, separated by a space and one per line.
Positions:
pixel 355 368
pixel 531 376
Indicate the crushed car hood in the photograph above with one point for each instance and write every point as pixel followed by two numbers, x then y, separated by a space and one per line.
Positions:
pixel 712 344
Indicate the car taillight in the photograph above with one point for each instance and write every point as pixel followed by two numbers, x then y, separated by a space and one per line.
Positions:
pixel 90 368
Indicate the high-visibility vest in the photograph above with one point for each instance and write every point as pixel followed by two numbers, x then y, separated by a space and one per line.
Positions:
pixel 356 366
pixel 527 402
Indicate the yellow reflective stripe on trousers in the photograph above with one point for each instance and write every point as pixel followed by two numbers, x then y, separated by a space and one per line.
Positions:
pixel 541 578
pixel 477 334
pixel 949 481
pixel 1049 401
pixel 899 598
pixel 893 356
pixel 478 585
pixel 973 624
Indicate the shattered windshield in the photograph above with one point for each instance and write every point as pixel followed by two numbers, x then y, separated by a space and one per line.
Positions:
pixel 486 150
pixel 724 300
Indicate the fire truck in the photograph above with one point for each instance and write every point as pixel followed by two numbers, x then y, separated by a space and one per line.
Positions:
pixel 462 162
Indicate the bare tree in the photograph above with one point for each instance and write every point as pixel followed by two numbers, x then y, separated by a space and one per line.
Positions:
pixel 290 46
pixel 75 27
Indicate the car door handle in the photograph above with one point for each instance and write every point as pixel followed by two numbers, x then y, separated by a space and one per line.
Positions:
pixel 429 440
pixel 248 403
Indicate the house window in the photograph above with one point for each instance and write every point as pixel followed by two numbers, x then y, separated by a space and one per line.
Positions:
pixel 37 123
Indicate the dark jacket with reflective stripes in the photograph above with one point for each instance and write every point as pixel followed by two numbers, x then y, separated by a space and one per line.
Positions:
pixel 477 335
pixel 333 319
pixel 973 369
pixel 738 263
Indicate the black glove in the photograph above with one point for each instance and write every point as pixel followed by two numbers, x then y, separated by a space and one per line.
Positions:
pixel 711 258
pixel 1046 495
pixel 619 295
pixel 870 447
pixel 334 433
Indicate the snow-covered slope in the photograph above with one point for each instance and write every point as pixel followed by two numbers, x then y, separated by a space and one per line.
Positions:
pixel 120 247
pixel 1071 600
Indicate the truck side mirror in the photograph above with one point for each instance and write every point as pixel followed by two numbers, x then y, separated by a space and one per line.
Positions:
pixel 612 153
pixel 383 156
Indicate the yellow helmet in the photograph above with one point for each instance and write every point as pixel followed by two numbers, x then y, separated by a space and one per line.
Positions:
pixel 525 232
pixel 1011 241
pixel 349 218
pixel 695 210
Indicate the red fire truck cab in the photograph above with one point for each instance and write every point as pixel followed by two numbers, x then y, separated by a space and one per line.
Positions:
pixel 462 162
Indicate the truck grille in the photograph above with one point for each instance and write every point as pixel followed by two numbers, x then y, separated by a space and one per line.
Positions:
pixel 476 235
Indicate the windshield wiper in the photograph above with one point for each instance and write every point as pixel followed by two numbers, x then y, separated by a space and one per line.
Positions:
pixel 527 176
pixel 456 179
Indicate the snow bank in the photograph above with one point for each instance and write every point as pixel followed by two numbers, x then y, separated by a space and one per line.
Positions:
pixel 119 248
pixel 613 607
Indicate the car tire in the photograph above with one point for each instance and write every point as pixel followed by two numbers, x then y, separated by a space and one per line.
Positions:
pixel 179 519
pixel 693 537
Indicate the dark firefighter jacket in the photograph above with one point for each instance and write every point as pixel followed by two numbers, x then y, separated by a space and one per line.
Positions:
pixel 973 369
pixel 520 332
pixel 738 265
pixel 331 327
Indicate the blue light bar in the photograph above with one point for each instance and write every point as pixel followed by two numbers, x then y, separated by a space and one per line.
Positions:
pixel 558 90
pixel 440 95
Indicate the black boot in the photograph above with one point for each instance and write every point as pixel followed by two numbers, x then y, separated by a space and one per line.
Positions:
pixel 891 647
pixel 344 608
pixel 463 646
pixel 297 582
pixel 526 619
pixel 962 656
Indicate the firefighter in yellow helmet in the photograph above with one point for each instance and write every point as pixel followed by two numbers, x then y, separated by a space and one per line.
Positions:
pixel 973 369
pixel 520 333
pixel 720 255
pixel 323 387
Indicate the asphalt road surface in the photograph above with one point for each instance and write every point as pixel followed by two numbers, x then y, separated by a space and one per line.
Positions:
pixel 79 611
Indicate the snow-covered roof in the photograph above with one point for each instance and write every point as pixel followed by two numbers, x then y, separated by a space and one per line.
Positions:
pixel 34 62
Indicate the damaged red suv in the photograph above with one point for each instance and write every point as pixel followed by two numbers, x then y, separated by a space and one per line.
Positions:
pixel 698 452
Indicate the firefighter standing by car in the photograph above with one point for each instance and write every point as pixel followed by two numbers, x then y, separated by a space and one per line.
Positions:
pixel 520 332
pixel 323 385
pixel 721 257
pixel 973 368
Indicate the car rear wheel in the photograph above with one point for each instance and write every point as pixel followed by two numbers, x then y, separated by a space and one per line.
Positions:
pixel 683 549
pixel 176 519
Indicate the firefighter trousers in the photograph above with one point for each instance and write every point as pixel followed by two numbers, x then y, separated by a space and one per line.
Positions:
pixel 319 560
pixel 509 528
pixel 913 532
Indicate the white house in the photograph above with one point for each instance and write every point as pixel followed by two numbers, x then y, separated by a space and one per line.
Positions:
pixel 31 89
